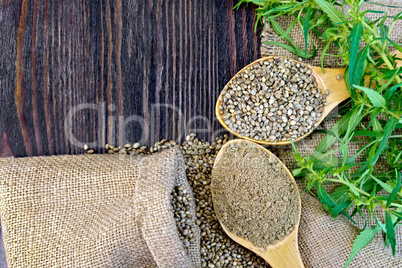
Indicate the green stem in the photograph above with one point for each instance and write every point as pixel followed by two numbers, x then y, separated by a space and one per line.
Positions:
pixel 386 61
pixel 350 185
pixel 368 28
pixel 380 50
pixel 390 113
pixel 392 26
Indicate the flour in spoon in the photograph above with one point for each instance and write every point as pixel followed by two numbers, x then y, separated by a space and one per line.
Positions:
pixel 253 195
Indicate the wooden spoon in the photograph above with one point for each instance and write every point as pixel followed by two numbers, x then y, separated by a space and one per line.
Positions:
pixel 284 253
pixel 331 80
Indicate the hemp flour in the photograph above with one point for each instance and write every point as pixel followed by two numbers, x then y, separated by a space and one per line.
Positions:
pixel 253 195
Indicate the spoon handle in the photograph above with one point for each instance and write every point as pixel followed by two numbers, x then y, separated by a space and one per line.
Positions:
pixel 398 55
pixel 333 80
pixel 285 255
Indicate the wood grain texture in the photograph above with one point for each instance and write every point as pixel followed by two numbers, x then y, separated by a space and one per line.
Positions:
pixel 127 71
pixel 131 70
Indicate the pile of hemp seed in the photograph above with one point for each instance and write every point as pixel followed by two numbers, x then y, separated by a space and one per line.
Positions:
pixel 217 249
pixel 273 100
pixel 182 215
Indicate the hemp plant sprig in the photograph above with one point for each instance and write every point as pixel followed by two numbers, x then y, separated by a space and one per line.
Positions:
pixel 373 81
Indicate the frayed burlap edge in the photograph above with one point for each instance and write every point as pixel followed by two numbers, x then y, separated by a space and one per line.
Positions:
pixel 164 249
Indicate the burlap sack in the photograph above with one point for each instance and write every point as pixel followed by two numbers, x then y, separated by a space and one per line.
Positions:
pixel 94 211
pixel 320 233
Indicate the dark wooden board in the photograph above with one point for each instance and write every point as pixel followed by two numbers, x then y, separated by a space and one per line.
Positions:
pixel 126 71
pixel 115 66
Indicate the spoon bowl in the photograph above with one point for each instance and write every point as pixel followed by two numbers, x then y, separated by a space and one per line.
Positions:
pixel 283 253
pixel 330 79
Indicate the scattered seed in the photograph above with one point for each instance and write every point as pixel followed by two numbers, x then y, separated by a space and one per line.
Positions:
pixel 217 249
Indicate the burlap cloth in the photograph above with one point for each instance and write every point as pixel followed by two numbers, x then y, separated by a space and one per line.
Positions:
pixel 331 62
pixel 323 241
pixel 115 211
pixel 94 211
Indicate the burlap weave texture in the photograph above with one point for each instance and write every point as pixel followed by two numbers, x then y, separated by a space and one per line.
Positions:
pixel 93 211
pixel 327 243
pixel 330 61
pixel 308 145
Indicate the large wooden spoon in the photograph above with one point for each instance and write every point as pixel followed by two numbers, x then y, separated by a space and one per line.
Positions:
pixel 331 79
pixel 284 253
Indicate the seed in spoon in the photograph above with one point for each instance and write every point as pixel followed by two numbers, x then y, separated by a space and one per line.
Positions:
pixel 253 195
pixel 265 99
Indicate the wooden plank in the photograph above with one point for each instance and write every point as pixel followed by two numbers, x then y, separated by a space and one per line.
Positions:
pixel 126 71
pixel 115 66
